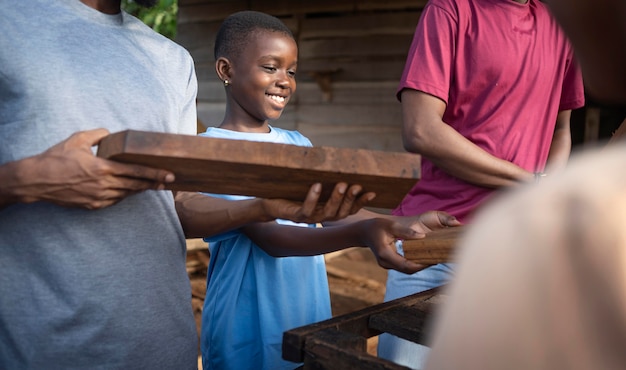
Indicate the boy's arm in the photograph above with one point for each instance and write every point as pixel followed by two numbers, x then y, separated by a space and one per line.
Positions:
pixel 203 216
pixel 421 223
pixel 379 234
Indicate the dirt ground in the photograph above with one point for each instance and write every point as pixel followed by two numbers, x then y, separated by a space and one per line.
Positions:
pixel 355 280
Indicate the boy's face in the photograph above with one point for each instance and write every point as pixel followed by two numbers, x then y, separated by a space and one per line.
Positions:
pixel 264 75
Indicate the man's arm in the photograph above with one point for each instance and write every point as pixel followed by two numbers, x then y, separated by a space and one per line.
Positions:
pixel 561 145
pixel 424 132
pixel 68 174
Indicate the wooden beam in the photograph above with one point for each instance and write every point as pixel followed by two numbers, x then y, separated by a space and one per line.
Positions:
pixel 438 246
pixel 356 323
pixel 261 169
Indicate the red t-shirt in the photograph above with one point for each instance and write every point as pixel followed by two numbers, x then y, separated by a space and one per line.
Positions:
pixel 505 70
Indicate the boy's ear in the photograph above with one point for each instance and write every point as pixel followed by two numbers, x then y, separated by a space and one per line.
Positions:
pixel 222 68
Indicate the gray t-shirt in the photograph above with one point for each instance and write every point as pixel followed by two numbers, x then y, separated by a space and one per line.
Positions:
pixel 102 289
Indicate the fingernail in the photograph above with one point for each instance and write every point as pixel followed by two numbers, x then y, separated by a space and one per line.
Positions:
pixel 170 177
pixel 342 188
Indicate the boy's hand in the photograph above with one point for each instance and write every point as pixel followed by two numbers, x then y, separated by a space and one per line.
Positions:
pixel 343 202
pixel 380 235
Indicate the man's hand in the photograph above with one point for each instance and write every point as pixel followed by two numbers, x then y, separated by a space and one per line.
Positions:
pixel 343 202
pixel 428 221
pixel 68 174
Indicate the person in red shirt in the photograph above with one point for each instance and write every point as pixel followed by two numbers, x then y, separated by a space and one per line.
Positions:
pixel 486 94
pixel 544 286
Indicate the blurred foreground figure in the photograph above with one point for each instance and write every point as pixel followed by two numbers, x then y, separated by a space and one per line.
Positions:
pixel 560 244
pixel 541 281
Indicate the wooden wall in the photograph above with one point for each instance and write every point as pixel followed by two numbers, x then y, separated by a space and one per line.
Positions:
pixel 351 58
pixel 351 55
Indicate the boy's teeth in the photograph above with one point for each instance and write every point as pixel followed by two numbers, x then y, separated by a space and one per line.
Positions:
pixel 277 98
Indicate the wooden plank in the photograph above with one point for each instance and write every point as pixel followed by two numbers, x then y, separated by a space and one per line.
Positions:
pixel 409 323
pixel 354 92
pixel 365 68
pixel 361 114
pixel 333 349
pixel 320 6
pixel 283 7
pixel 262 169
pixel 438 246
pixel 375 45
pixel 357 323
pixel 354 135
pixel 361 24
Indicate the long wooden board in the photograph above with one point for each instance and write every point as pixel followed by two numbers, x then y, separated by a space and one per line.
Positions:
pixel 267 170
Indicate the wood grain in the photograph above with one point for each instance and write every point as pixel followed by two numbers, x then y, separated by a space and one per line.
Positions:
pixel 438 246
pixel 267 170
pixel 316 345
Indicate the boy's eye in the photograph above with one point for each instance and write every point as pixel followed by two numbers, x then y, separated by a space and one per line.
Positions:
pixel 291 73
pixel 270 68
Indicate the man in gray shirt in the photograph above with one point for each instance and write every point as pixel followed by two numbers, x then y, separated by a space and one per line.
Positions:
pixel 92 255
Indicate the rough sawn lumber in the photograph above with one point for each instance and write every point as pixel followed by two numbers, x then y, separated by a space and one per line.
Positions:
pixel 267 170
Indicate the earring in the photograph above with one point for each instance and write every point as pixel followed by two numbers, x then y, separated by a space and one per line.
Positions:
pixel 226 82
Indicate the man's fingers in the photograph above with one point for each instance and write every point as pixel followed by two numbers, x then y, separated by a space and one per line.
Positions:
pixel 88 138
pixel 154 175
pixel 437 220
pixel 447 219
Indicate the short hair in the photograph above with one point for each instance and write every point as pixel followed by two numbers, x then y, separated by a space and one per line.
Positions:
pixel 235 31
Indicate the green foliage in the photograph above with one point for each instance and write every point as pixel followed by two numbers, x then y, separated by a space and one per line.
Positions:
pixel 161 17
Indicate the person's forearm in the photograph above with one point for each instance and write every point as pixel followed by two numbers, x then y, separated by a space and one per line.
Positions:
pixel 424 132
pixel 203 216
pixel 7 185
pixel 559 150
pixel 281 240
pixel 461 158
pixel 11 183
pixel 561 145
